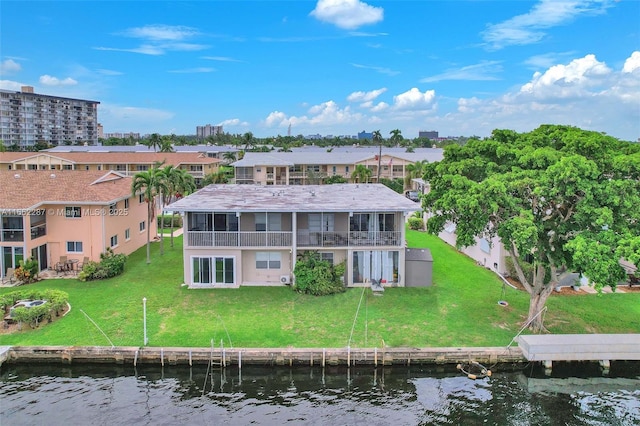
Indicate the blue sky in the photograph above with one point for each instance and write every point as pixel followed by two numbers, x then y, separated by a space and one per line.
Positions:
pixel 333 66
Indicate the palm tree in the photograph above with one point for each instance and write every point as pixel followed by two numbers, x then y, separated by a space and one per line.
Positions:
pixel 377 137
pixel 229 156
pixel 155 141
pixel 361 174
pixel 396 136
pixel 248 140
pixel 166 144
pixel 168 174
pixel 182 184
pixel 150 183
pixel 413 171
pixel 223 175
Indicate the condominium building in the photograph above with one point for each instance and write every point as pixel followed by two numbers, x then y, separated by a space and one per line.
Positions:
pixel 27 118
pixel 208 130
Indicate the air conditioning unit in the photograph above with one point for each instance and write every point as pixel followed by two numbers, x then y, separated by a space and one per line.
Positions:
pixel 285 279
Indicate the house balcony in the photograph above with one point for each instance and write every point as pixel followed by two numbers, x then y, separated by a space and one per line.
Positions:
pixel 10 235
pixel 38 231
pixel 239 239
pixel 349 239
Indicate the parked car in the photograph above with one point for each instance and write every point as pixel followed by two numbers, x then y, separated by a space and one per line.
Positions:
pixel 412 195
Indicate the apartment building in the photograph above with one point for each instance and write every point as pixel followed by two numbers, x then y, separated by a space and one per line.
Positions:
pixel 203 132
pixel 51 214
pixel 310 167
pixel 130 163
pixel 27 118
pixel 250 235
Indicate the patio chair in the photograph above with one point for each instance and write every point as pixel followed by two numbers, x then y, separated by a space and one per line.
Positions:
pixel 85 260
pixel 61 268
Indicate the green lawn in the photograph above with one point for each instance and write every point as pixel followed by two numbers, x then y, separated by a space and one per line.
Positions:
pixel 460 309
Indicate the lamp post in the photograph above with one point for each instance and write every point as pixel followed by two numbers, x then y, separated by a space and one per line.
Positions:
pixel 144 316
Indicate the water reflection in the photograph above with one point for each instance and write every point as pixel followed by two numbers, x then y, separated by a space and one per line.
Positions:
pixel 114 395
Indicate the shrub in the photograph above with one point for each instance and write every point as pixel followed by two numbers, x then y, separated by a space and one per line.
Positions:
pixel 318 277
pixel 27 272
pixel 415 224
pixel 177 221
pixel 56 301
pixel 110 265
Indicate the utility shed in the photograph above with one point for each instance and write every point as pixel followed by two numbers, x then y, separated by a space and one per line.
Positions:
pixel 418 267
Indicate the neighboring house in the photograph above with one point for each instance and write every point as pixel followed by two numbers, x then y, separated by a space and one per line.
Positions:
pixel 78 214
pixel 309 167
pixel 129 163
pixel 251 234
pixel 213 151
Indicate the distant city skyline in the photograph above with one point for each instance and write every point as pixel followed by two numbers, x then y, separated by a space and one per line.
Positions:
pixel 334 67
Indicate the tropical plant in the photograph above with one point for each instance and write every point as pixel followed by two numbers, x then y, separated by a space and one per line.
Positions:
pixel 223 175
pixel 166 143
pixel 318 277
pixel 229 156
pixel 248 141
pixel 414 171
pixel 27 271
pixel 110 265
pixel 377 139
pixel 361 174
pixel 396 137
pixel 151 184
pixel 564 197
pixel 182 184
pixel 154 141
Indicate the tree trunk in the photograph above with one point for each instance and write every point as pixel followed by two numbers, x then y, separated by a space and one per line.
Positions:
pixel 172 215
pixel 162 229
pixel 537 302
pixel 149 233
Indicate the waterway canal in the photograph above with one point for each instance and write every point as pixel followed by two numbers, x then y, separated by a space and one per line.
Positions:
pixel 575 394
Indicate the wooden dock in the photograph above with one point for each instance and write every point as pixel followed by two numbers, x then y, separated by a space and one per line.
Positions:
pixel 580 347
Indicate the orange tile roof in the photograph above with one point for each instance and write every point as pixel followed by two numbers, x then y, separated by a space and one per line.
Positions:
pixel 26 189
pixel 170 158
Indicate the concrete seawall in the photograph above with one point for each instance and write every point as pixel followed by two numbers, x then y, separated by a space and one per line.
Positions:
pixel 258 356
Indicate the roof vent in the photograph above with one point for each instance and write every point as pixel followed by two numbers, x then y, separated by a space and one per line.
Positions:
pixel 52 176
pixel 17 176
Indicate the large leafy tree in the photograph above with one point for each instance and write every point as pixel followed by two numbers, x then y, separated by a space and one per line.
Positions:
pixel 565 198
pixel 151 184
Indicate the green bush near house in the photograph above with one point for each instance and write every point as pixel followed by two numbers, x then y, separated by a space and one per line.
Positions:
pixel 177 221
pixel 415 223
pixel 318 277
pixel 56 301
pixel 110 265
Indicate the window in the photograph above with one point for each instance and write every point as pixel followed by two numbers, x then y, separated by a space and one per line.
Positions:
pixel 359 222
pixel 386 222
pixel 346 169
pixel 112 209
pixel 67 167
pixel 127 234
pixel 268 259
pixel 74 246
pixel 225 222
pixel 114 241
pixel 327 256
pixel 72 211
pixel 212 270
pixel 142 226
pixel 321 222
pixel 141 198
pixel 86 167
pixel 126 203
pixel 268 222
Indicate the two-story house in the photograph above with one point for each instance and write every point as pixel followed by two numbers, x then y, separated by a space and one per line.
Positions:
pixel 53 214
pixel 252 234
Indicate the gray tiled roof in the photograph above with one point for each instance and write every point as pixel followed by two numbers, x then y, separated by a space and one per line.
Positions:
pixel 336 156
pixel 301 198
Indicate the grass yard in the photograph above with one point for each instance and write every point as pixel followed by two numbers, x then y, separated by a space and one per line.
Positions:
pixel 460 309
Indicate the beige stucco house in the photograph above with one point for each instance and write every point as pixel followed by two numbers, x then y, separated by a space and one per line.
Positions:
pixel 127 163
pixel 77 214
pixel 252 234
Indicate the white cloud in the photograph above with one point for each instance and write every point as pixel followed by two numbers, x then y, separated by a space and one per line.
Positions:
pixel 567 80
pixel 381 106
pixel 365 96
pixel 220 58
pixel 414 99
pixel 276 118
pixel 10 85
pixel 161 32
pixel 483 71
pixel 529 27
pixel 9 66
pixel 48 80
pixel 381 70
pixel 325 114
pixel 632 63
pixel 233 122
pixel 347 14
pixel 109 72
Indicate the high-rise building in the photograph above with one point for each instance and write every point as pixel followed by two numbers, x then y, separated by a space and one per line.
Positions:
pixel 203 132
pixel 428 134
pixel 27 118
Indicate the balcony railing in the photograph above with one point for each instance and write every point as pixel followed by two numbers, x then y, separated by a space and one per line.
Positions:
pixel 239 239
pixel 38 231
pixel 349 239
pixel 12 235
pixel 284 239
